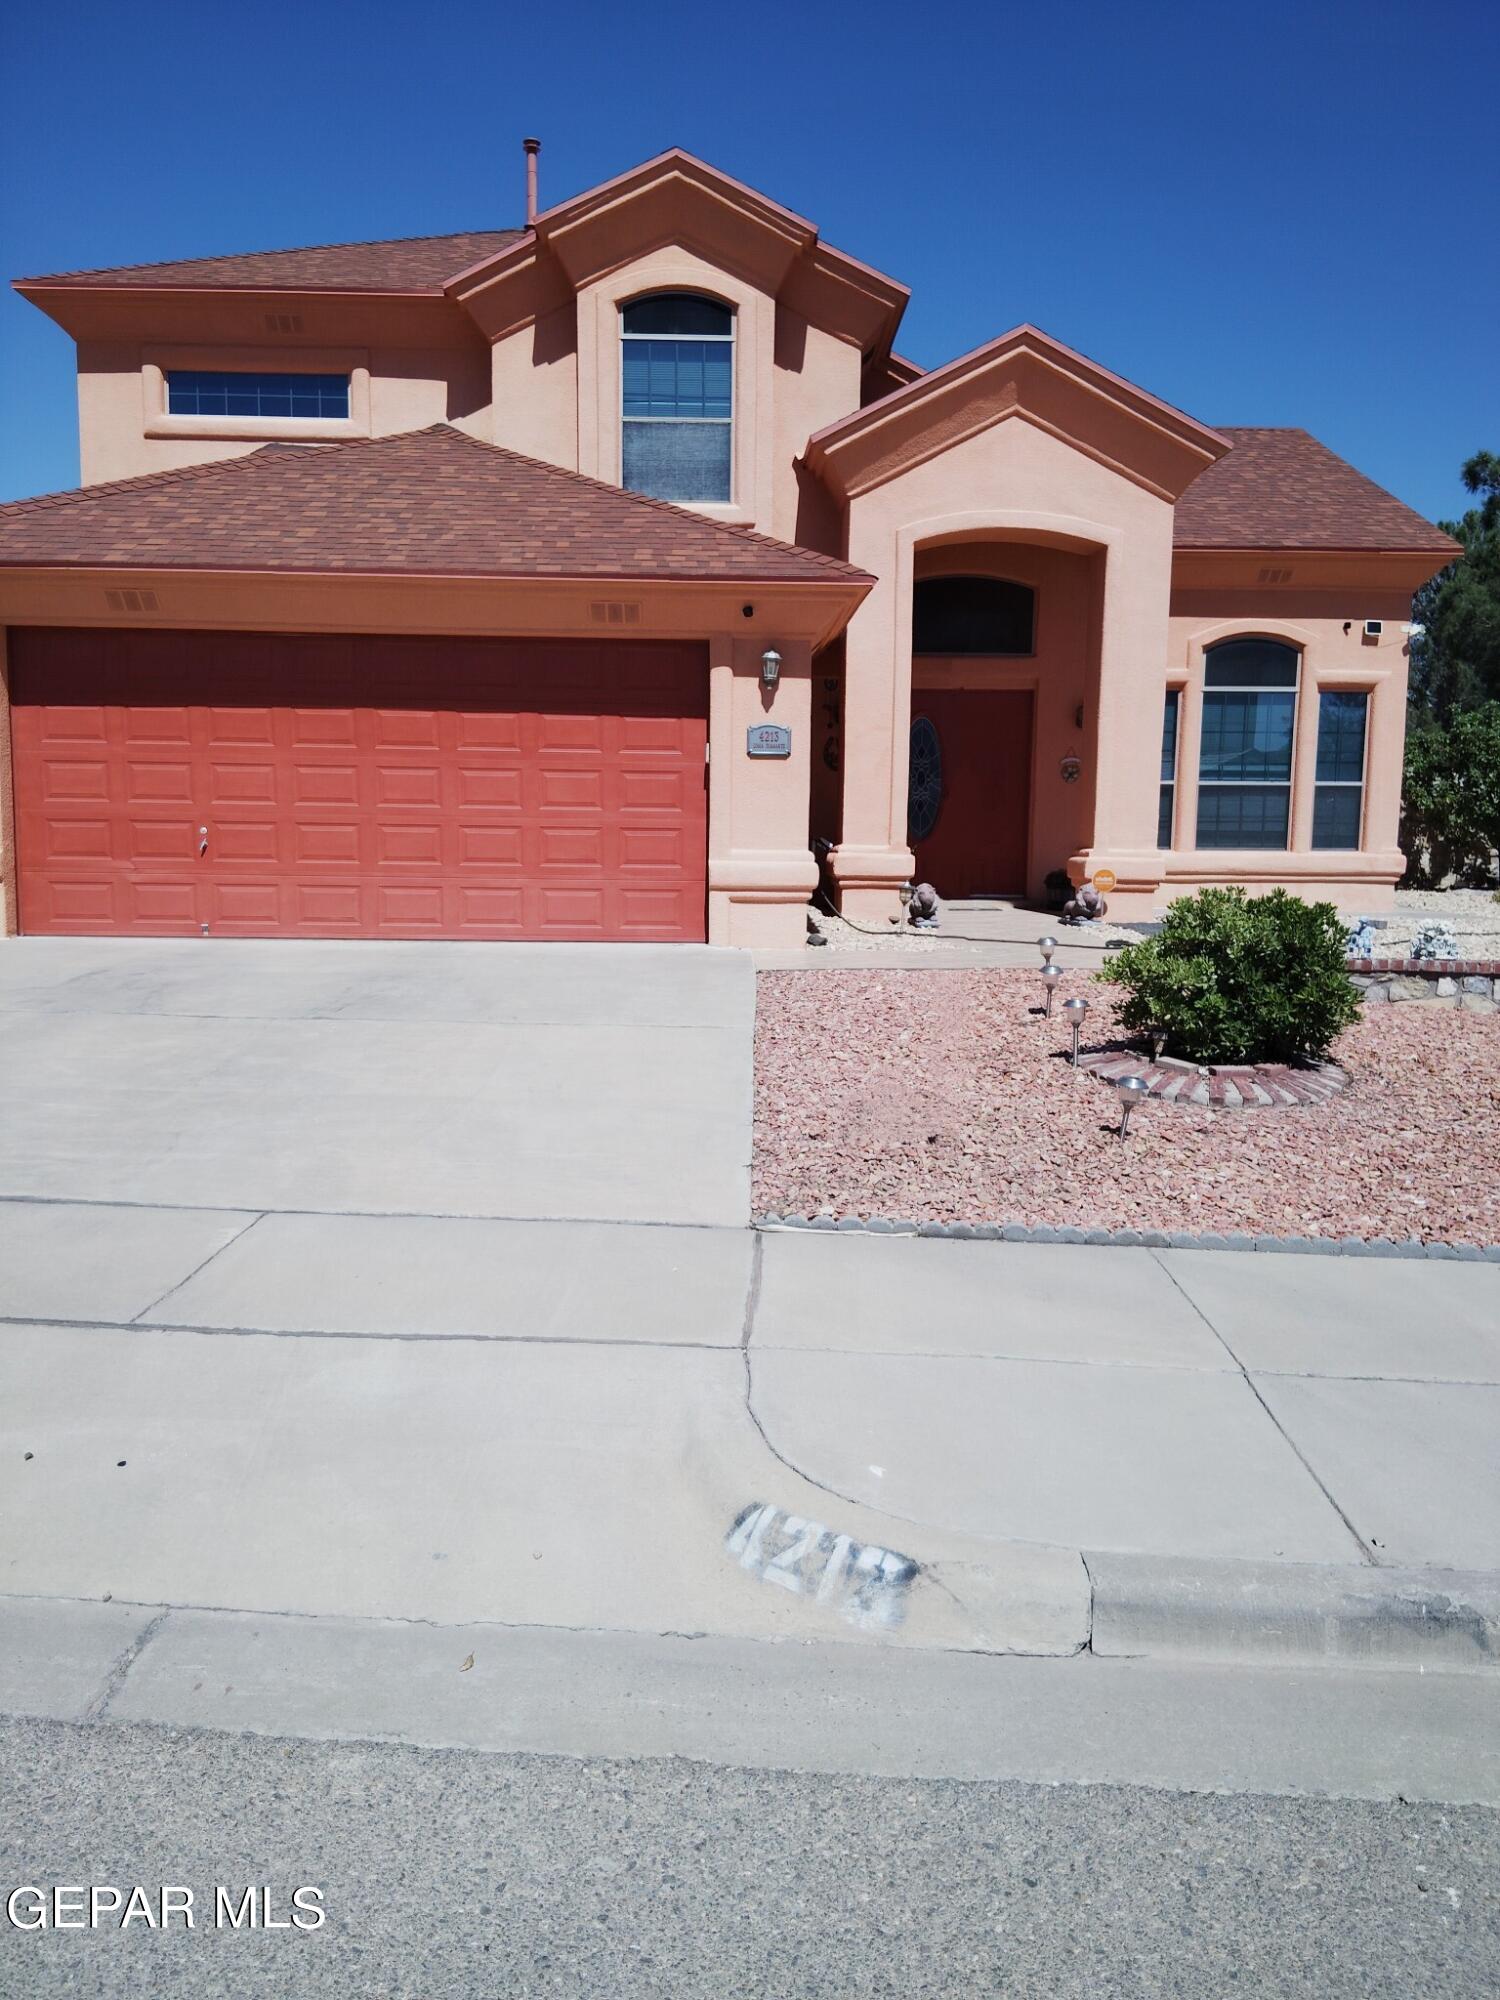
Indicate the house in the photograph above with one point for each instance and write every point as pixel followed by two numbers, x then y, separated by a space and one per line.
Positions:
pixel 610 577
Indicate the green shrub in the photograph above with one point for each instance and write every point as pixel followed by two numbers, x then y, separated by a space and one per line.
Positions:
pixel 1232 978
pixel 1450 798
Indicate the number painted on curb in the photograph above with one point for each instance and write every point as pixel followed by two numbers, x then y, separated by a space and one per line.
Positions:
pixel 865 1584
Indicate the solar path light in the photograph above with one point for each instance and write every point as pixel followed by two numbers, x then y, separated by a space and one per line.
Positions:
pixel 1046 946
pixel 1051 976
pixel 1075 1009
pixel 1132 1089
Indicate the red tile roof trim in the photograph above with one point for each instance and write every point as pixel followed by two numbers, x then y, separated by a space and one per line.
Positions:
pixel 431 502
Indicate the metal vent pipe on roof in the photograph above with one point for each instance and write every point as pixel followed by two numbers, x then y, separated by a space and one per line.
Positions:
pixel 533 147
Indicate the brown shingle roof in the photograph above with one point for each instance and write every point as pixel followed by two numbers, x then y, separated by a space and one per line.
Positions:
pixel 400 264
pixel 433 502
pixel 1281 489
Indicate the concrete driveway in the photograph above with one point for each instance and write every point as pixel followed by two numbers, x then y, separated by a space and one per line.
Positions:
pixel 596 1081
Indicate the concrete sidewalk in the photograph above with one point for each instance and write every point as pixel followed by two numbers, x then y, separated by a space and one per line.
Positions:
pixel 929 1445
pixel 982 932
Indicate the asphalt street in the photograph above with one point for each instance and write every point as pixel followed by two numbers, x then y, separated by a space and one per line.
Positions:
pixel 455 1873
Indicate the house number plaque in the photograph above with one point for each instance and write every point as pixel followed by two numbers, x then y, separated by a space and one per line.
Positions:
pixel 768 739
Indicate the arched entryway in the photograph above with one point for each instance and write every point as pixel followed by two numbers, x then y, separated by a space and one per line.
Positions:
pixel 1003 680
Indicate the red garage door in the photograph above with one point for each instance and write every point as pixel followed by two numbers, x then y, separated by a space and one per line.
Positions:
pixel 243 784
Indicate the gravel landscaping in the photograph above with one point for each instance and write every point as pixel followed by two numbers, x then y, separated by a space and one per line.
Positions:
pixel 944 1096
pixel 1473 916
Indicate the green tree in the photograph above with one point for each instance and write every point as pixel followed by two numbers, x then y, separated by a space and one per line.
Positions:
pixel 1455 656
pixel 1450 800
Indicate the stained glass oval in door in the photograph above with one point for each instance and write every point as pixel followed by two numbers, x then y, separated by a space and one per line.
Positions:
pixel 924 792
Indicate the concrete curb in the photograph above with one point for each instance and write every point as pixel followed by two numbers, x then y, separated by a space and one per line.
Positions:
pixel 1151 1239
pixel 870 1710
pixel 81 1660
pixel 1293 1614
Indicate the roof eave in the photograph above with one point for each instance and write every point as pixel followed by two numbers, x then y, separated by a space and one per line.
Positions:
pixel 865 448
pixel 1445 551
pixel 856 579
pixel 811 609
pixel 90 311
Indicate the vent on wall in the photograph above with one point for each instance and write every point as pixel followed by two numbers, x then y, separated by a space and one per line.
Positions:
pixel 131 600
pixel 283 322
pixel 615 614
pixel 1274 576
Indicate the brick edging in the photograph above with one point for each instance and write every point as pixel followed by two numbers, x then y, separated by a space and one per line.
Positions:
pixel 1430 968
pixel 1224 1087
pixel 1151 1239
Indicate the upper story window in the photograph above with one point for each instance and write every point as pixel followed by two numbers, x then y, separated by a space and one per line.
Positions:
pixel 972 614
pixel 1245 754
pixel 677 408
pixel 199 392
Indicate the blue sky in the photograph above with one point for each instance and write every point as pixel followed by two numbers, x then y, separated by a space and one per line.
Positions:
pixel 1270 214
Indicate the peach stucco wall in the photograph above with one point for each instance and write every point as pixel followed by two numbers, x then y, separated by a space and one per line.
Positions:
pixel 1010 484
pixel 549 387
pixel 555 390
pixel 125 429
pixel 760 869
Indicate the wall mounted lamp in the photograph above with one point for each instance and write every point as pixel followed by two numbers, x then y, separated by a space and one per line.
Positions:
pixel 770 667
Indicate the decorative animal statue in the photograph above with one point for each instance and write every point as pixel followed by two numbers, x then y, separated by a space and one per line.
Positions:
pixel 1087 906
pixel 924 907
pixel 1359 940
pixel 1433 939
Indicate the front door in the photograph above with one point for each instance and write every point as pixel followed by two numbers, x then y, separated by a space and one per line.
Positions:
pixel 969 801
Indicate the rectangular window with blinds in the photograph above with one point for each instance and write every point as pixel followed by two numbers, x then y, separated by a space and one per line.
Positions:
pixel 1338 797
pixel 1166 811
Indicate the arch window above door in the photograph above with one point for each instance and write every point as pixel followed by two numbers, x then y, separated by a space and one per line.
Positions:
pixel 677 398
pixel 972 614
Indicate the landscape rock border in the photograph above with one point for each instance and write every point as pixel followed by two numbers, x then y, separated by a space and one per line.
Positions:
pixel 1470 983
pixel 1150 1239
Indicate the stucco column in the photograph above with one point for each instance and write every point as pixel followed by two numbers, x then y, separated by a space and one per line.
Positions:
pixel 872 858
pixel 1304 757
pixel 1189 748
pixel 760 868
pixel 1133 661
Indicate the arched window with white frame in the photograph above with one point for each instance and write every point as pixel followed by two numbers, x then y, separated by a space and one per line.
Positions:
pixel 677 398
pixel 1245 747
